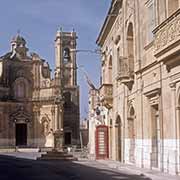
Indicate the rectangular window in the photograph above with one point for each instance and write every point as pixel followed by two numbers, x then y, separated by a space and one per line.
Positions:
pixel 161 11
pixel 151 20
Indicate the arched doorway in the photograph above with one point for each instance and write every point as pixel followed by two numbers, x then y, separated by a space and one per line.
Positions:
pixel 156 139
pixel 21 118
pixel 131 134
pixel 118 133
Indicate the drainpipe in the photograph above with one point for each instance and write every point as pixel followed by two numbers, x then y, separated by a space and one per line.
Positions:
pixel 161 120
pixel 141 88
pixel 124 100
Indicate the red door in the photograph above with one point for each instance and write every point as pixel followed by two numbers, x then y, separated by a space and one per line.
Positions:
pixel 102 146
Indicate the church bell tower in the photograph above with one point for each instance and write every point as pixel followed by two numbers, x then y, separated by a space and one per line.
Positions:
pixel 66 72
pixel 65 52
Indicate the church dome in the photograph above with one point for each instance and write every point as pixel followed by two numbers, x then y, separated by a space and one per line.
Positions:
pixel 18 39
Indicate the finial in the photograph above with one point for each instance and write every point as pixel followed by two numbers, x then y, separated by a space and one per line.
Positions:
pixel 60 29
pixel 18 32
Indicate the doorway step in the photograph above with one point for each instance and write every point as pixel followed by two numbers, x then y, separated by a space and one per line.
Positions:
pixel 26 150
pixel 56 155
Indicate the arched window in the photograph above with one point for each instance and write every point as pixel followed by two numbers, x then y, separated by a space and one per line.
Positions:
pixel 21 88
pixel 130 48
pixel 66 55
pixel 173 5
pixel 110 70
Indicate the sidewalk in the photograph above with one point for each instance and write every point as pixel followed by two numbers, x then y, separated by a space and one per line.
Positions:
pixel 130 169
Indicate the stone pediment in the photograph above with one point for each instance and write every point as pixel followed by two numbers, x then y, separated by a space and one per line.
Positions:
pixel 21 115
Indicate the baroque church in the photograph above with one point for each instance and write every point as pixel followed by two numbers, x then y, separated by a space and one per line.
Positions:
pixel 34 107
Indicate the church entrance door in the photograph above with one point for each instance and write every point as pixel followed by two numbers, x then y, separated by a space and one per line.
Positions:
pixel 67 138
pixel 21 134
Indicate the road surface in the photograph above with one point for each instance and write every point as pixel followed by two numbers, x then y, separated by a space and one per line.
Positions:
pixel 12 168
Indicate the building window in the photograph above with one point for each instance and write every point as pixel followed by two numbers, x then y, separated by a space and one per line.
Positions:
pixel 110 70
pixel 130 48
pixel 161 10
pixel 151 20
pixel 173 5
pixel 20 90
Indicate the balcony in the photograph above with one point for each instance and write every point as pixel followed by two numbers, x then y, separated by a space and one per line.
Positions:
pixel 126 71
pixel 106 94
pixel 167 38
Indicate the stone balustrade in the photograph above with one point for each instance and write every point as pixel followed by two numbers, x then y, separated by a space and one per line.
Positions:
pixel 125 70
pixel 167 35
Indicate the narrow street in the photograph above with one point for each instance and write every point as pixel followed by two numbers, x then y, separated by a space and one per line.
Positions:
pixel 21 169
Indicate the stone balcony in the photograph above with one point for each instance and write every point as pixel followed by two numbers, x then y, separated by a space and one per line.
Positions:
pixel 167 38
pixel 126 71
pixel 106 94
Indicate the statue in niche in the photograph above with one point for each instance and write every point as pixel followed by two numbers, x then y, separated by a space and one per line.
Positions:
pixel 45 127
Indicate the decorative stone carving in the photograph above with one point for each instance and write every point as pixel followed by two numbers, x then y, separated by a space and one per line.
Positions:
pixel 20 115
pixel 45 121
pixel 167 33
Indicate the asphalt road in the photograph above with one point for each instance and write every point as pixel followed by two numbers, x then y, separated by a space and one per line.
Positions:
pixel 20 169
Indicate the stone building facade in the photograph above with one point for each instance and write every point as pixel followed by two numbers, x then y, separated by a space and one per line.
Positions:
pixel 33 105
pixel 140 49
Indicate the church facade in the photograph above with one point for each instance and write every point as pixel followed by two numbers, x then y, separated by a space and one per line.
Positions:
pixel 33 105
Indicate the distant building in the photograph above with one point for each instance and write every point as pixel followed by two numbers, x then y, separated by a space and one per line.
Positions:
pixel 31 108
pixel 140 85
pixel 84 132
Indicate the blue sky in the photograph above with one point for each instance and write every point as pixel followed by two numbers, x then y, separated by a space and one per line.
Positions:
pixel 38 21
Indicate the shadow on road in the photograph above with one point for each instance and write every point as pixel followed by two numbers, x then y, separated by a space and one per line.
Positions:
pixel 22 169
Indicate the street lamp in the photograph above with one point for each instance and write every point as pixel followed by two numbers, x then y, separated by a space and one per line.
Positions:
pixel 95 51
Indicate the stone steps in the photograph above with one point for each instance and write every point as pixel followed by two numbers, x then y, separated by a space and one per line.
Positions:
pixel 27 150
pixel 51 155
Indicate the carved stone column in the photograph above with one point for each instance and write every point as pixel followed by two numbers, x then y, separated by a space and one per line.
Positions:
pixel 59 134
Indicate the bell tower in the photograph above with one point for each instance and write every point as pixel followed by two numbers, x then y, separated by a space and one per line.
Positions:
pixel 66 73
pixel 65 55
